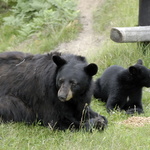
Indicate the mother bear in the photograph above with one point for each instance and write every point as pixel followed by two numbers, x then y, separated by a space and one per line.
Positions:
pixel 53 88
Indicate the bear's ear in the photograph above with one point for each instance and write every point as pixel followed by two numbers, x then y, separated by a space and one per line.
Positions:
pixel 140 62
pixel 91 69
pixel 134 70
pixel 59 61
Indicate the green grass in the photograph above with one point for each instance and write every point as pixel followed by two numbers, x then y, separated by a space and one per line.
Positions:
pixel 118 13
pixel 117 136
pixel 7 34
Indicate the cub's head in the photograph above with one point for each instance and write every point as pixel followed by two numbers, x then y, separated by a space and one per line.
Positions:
pixel 74 76
pixel 140 74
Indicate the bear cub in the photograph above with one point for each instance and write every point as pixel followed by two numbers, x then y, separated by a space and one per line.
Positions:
pixel 121 88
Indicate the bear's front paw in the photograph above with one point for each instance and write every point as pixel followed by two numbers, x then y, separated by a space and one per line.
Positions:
pixel 99 123
pixel 131 111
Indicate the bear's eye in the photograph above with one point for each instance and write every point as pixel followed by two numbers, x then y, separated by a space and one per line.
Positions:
pixel 73 83
pixel 61 80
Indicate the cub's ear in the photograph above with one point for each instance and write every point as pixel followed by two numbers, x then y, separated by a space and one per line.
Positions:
pixel 91 69
pixel 140 62
pixel 134 70
pixel 59 61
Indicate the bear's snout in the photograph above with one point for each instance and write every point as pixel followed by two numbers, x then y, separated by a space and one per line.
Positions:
pixel 62 98
pixel 65 93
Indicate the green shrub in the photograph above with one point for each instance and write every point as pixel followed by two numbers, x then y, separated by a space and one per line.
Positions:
pixel 34 15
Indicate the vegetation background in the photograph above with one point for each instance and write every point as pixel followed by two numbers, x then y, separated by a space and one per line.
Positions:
pixel 38 26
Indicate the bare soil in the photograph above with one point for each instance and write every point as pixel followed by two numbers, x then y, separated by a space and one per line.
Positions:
pixel 136 121
pixel 88 40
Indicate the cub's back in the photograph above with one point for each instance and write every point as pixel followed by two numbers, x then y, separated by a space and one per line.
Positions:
pixel 108 80
pixel 110 73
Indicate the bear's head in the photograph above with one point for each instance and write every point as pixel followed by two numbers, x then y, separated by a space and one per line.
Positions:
pixel 140 74
pixel 74 76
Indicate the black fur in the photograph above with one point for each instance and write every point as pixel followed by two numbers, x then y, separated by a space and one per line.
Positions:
pixel 122 88
pixel 30 90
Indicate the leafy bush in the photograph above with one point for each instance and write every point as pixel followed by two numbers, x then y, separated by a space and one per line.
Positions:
pixel 9 1
pixel 34 15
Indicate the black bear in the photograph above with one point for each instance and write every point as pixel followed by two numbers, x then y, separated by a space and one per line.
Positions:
pixel 122 88
pixel 54 89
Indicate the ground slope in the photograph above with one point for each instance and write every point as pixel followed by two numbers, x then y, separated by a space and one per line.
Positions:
pixel 88 40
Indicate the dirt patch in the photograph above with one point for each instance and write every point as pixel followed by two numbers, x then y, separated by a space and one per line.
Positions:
pixel 88 40
pixel 136 121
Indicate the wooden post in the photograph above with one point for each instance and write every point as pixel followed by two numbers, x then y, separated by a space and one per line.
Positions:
pixel 140 34
pixel 144 13
pixel 130 34
pixel 144 19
